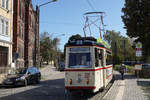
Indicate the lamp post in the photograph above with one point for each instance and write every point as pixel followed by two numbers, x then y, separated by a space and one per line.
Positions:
pixel 37 46
pixel 47 3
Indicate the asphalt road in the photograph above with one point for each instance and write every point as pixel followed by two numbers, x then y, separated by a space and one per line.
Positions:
pixel 50 88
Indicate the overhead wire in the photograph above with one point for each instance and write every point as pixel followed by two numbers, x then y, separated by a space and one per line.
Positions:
pixel 89 3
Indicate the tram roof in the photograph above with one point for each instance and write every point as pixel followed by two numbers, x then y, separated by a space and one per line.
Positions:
pixel 85 41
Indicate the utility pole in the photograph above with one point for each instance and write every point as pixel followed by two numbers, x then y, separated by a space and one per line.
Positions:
pixel 124 45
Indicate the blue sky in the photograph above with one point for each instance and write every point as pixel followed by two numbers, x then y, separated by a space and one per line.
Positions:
pixel 66 16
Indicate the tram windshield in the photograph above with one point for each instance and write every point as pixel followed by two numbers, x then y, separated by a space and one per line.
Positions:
pixel 79 60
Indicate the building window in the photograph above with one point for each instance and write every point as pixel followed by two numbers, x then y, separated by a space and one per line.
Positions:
pixel 0 26
pixel 6 27
pixel 20 31
pixel 3 26
pixel 20 8
pixel 5 4
pixel 23 32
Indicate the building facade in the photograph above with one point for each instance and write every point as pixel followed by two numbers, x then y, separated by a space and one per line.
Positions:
pixel 31 35
pixel 6 32
pixel 25 34
pixel 19 32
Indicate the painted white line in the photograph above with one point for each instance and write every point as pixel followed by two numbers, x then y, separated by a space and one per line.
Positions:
pixel 121 90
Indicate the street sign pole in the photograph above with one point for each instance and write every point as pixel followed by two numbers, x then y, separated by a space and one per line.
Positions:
pixel 138 54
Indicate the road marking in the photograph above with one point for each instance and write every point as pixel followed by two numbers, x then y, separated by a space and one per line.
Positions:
pixel 121 90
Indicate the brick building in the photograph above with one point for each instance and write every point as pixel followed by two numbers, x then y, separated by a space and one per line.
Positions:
pixel 26 33
pixel 19 32
pixel 31 34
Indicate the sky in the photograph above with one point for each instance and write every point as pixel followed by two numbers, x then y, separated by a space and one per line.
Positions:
pixel 66 16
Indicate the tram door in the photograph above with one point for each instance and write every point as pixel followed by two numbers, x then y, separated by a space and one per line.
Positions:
pixel 99 63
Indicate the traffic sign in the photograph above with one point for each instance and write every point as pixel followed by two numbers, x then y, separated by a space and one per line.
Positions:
pixel 139 45
pixel 138 66
pixel 139 49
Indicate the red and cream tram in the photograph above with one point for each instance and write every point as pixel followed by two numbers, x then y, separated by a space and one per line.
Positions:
pixel 88 65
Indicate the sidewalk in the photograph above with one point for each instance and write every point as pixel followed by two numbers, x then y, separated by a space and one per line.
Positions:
pixel 128 89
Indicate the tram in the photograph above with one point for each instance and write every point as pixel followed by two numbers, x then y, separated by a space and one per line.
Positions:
pixel 88 65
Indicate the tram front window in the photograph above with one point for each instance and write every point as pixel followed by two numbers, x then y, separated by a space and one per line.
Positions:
pixel 79 60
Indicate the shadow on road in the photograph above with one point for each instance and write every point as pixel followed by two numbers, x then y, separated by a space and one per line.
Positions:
pixel 46 90
pixel 144 83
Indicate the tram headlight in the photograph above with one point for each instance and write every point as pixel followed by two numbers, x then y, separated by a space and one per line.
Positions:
pixel 70 81
pixel 87 81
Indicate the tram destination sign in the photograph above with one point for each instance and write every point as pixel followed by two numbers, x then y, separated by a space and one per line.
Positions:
pixel 79 49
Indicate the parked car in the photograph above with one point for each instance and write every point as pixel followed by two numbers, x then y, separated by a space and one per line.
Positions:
pixel 23 76
pixel 61 66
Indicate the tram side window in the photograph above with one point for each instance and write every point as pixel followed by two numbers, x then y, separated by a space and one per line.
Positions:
pixel 98 57
pixel 108 58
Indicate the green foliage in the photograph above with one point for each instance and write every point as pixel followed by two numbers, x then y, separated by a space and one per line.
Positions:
pixel 130 69
pixel 121 46
pixel 48 47
pixel 117 67
pixel 73 37
pixel 136 19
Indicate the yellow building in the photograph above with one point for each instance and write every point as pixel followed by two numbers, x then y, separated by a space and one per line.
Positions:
pixel 6 33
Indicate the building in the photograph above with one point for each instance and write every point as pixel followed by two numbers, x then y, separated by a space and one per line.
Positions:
pixel 19 32
pixel 26 34
pixel 31 34
pixel 6 33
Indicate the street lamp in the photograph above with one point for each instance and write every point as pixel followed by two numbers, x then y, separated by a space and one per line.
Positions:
pixel 47 3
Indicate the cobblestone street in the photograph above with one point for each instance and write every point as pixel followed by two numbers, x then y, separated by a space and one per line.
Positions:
pixel 128 89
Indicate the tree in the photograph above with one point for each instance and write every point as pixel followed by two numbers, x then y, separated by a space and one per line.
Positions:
pixel 45 47
pixel 73 37
pixel 136 19
pixel 48 47
pixel 121 46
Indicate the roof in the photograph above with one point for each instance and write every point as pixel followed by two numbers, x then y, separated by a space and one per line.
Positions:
pixel 85 41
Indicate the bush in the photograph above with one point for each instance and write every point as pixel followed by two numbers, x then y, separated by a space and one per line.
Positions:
pixel 117 67
pixel 129 69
